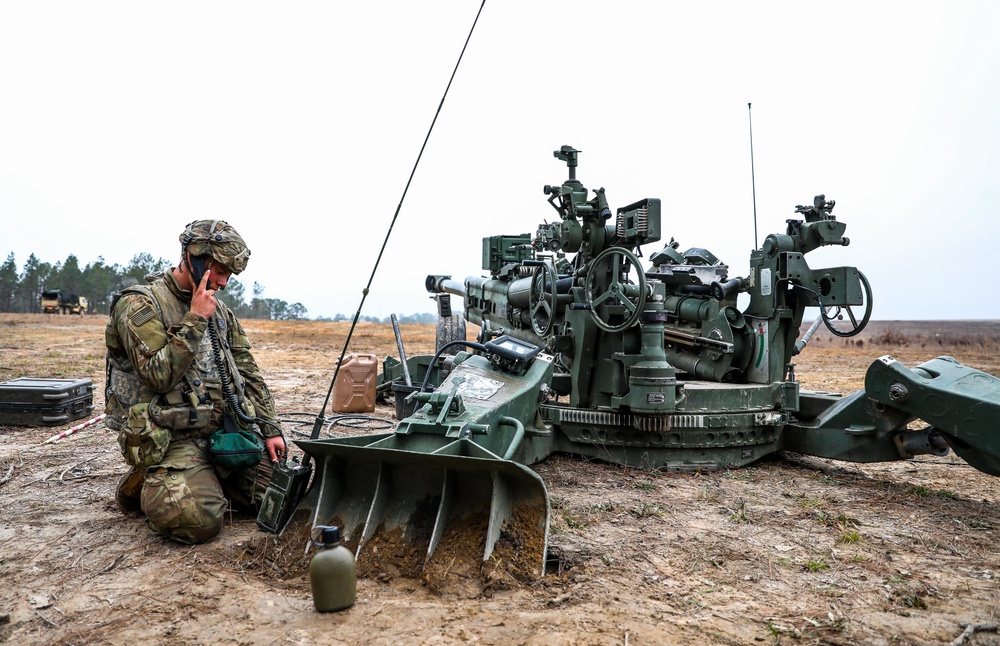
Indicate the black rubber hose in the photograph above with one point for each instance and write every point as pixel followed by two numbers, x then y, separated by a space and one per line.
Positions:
pixel 437 355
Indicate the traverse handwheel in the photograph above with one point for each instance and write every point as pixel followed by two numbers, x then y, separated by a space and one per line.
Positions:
pixel 835 313
pixel 542 299
pixel 615 300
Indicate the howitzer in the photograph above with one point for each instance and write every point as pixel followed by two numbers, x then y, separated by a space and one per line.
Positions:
pixel 583 349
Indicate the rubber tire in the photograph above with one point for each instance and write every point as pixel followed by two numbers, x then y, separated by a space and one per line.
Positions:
pixel 449 328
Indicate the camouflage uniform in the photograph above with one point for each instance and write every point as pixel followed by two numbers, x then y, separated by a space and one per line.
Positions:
pixel 164 388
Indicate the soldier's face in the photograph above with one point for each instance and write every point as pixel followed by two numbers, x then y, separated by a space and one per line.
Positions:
pixel 218 275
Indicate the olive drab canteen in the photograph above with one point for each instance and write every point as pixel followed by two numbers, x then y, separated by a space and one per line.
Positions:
pixel 218 239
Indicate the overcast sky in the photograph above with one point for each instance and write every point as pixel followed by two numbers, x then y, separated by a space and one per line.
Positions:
pixel 299 123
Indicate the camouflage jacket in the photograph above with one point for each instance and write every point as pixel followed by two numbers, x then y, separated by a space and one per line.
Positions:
pixel 160 353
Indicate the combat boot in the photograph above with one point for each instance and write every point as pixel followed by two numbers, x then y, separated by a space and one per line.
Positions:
pixel 127 495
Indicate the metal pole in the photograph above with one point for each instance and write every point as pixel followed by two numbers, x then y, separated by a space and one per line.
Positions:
pixel 402 353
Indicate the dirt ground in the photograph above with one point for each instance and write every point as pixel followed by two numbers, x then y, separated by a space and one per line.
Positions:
pixel 794 550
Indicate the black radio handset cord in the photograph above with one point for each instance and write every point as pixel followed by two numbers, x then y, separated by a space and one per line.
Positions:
pixel 197 265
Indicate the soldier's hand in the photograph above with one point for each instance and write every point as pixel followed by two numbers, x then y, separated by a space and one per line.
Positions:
pixel 203 301
pixel 275 447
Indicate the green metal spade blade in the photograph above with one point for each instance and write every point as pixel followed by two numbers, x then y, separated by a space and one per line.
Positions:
pixel 410 511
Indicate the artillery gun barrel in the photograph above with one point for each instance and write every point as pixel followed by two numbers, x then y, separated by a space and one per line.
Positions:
pixel 444 285
pixel 510 302
pixel 516 293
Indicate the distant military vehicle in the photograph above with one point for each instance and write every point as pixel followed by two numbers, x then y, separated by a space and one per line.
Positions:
pixel 55 301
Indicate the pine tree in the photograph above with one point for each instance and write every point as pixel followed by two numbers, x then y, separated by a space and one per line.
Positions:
pixel 8 284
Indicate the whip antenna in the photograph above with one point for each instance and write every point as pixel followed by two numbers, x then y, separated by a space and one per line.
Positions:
pixel 320 420
pixel 753 183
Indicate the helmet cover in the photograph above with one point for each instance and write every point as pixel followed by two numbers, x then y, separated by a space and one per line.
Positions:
pixel 218 239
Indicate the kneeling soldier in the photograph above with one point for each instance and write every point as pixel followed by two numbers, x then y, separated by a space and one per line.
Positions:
pixel 195 419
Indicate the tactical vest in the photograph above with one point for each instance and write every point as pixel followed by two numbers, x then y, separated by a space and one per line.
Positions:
pixel 196 402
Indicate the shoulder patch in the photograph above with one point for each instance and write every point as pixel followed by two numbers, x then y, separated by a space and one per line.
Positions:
pixel 142 315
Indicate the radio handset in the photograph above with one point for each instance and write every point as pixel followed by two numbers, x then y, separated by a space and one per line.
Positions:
pixel 197 264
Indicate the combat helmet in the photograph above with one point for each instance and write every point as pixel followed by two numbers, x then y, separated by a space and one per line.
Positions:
pixel 216 238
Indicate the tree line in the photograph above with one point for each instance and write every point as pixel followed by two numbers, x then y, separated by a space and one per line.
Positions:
pixel 21 291
pixel 424 318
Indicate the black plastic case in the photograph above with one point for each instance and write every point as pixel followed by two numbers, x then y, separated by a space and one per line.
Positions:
pixel 29 401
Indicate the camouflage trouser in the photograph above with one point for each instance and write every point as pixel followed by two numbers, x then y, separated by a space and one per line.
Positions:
pixel 184 496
